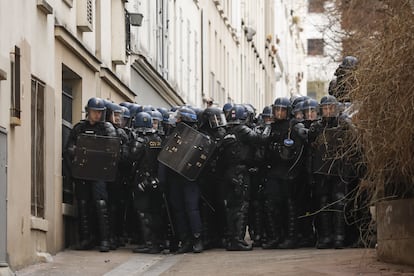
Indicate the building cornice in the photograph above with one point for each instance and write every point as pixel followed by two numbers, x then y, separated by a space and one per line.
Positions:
pixel 77 47
pixel 86 56
pixel 109 77
pixel 160 85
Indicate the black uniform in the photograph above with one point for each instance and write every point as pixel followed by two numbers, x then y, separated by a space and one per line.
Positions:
pixel 145 189
pixel 238 152
pixel 286 160
pixel 326 137
pixel 91 190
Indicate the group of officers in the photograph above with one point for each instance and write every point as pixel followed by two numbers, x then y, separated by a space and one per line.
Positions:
pixel 283 177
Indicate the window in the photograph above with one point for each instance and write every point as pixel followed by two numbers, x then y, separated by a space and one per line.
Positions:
pixel 38 147
pixel 316 6
pixel 70 82
pixel 15 93
pixel 315 47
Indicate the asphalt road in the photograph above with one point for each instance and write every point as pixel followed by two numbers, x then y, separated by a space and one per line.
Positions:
pixel 216 262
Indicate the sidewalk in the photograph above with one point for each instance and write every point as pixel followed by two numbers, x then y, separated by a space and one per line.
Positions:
pixel 216 262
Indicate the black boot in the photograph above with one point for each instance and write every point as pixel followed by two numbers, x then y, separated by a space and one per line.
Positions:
pixel 273 230
pixel 185 246
pixel 324 228
pixel 197 243
pixel 291 240
pixel 339 230
pixel 102 211
pixel 85 241
pixel 152 246
pixel 237 241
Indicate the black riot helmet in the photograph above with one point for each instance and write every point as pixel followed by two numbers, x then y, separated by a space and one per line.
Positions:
pixel 95 104
pixel 114 113
pixel 328 107
pixel 349 63
pixel 281 104
pixel 310 109
pixel 267 111
pixel 213 117
pixel 186 114
pixel 226 108
pixel 143 122
pixel 237 115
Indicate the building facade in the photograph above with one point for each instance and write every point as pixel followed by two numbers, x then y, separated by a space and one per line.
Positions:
pixel 158 52
pixel 322 32
pixel 51 63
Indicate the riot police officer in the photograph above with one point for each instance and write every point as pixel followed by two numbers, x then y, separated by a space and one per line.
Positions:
pixel 326 136
pixel 145 186
pixel 184 196
pixel 258 179
pixel 96 190
pixel 118 189
pixel 237 153
pixel 212 123
pixel 345 80
pixel 285 161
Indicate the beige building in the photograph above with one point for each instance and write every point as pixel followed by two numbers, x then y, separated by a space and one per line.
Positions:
pixel 54 55
pixel 159 52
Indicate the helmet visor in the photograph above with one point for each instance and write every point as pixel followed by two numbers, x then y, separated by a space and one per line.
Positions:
pixel 329 110
pixel 95 115
pixel 217 120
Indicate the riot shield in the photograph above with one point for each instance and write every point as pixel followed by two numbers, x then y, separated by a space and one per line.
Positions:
pixel 187 151
pixel 96 157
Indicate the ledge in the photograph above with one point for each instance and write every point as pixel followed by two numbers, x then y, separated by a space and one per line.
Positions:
pixel 44 6
pixel 3 75
pixel 107 75
pixel 68 210
pixel 160 85
pixel 76 46
pixel 39 224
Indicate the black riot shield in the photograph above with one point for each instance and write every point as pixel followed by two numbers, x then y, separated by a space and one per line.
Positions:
pixel 187 151
pixel 96 157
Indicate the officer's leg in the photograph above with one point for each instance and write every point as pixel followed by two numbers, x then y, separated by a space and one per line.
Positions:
pixel 324 228
pixel 101 198
pixel 338 196
pixel 192 200
pixel 238 208
pixel 272 213
pixel 83 194
pixel 176 198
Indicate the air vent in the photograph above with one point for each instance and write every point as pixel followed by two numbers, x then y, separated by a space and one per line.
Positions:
pixel 85 15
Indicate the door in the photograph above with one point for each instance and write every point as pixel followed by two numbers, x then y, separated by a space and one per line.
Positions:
pixel 3 197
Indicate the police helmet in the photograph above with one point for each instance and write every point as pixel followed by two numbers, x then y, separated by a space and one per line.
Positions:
pixel 329 100
pixel 95 103
pixel 213 117
pixel 282 102
pixel 143 121
pixel 349 63
pixel 186 114
pixel 237 114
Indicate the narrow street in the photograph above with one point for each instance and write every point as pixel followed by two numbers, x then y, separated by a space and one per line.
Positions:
pixel 219 262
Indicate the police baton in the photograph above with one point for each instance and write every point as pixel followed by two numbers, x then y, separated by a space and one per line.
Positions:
pixel 168 213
